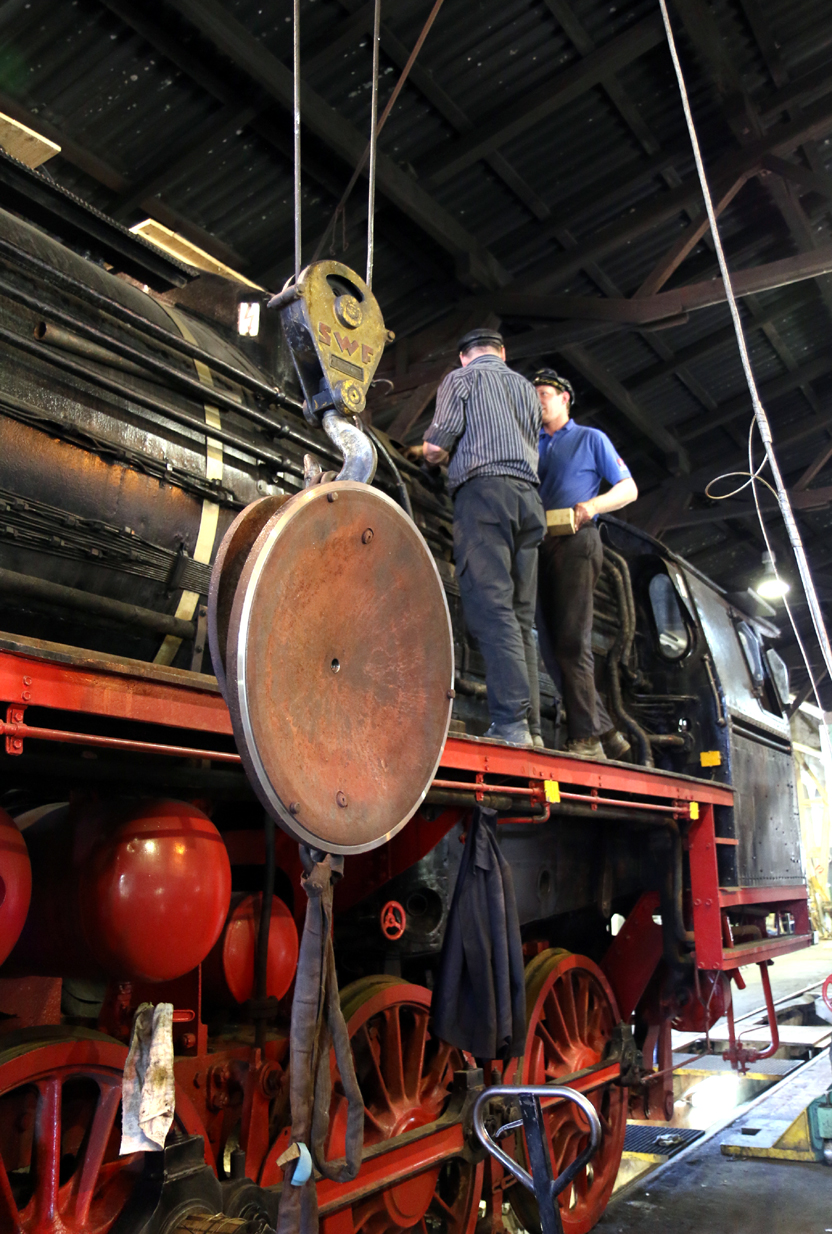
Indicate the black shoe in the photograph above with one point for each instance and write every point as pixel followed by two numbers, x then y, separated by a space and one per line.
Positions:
pixel 514 734
pixel 587 747
pixel 616 746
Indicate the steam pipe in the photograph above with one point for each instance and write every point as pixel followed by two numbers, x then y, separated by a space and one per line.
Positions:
pixel 254 449
pixel 613 659
pixel 67 341
pixel 25 585
pixel 404 496
pixel 175 342
pixel 629 600
pixel 190 385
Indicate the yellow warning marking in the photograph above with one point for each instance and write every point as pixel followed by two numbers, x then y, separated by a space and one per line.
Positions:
pixel 209 517
pixel 710 758
pixel 552 790
pixel 694 809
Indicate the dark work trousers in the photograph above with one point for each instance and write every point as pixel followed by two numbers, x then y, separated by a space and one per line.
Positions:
pixel 569 569
pixel 498 525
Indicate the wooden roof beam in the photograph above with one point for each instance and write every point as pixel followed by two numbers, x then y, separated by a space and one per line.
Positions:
pixel 667 304
pixel 508 122
pixel 782 139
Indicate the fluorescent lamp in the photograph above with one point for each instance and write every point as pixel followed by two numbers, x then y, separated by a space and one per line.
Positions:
pixel 772 588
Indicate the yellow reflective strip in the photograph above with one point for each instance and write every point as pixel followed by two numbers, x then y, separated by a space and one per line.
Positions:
pixel 552 790
pixel 694 809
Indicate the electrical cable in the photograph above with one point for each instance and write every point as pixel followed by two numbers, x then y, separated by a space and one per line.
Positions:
pixel 404 496
pixel 759 412
pixel 371 190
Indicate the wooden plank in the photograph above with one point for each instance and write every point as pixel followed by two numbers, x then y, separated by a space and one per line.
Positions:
pixel 24 144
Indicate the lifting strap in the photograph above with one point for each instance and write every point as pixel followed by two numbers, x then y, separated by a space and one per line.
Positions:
pixel 318 1025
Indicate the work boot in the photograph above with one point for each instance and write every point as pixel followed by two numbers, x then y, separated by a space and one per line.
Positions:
pixel 515 733
pixel 616 745
pixel 587 747
pixel 537 741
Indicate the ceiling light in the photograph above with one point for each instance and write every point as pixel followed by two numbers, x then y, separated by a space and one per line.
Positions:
pixel 770 587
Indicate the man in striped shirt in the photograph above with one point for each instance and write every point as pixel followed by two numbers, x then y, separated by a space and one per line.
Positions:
pixel 486 427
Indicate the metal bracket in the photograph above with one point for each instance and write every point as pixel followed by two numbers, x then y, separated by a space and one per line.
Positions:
pixel 14 715
pixel 200 638
pixel 540 1182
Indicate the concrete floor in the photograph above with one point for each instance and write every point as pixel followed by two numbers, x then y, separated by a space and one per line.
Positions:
pixel 701 1191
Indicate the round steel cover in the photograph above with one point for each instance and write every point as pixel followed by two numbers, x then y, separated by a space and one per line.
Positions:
pixel 340 667
pixel 225 574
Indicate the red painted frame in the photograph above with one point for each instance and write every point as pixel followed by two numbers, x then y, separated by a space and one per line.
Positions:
pixel 64 679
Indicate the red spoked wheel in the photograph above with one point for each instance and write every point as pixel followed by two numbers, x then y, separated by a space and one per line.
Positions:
pixel 571 1013
pixel 405 1075
pixel 60 1131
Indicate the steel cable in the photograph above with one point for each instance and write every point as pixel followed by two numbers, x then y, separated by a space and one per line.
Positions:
pixel 759 412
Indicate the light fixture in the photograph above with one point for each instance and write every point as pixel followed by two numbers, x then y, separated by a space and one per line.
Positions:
pixel 770 587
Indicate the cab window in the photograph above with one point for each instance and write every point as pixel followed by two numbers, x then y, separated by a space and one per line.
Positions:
pixel 673 634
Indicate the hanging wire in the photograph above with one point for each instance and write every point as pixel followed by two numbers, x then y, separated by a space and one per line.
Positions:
pixel 759 413
pixel 296 119
pixel 371 191
pixel 362 162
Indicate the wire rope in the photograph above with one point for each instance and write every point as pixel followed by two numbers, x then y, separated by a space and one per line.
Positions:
pixel 296 126
pixel 760 416
pixel 362 162
pixel 371 189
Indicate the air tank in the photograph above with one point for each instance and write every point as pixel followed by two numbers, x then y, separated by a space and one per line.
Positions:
pixel 15 883
pixel 133 890
pixel 228 972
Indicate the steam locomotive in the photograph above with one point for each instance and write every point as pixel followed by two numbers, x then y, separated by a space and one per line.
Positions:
pixel 134 426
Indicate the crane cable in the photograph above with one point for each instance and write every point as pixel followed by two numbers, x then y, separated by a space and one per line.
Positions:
pixel 760 417
pixel 362 162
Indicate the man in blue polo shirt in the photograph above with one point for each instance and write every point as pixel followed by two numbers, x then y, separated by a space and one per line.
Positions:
pixel 575 460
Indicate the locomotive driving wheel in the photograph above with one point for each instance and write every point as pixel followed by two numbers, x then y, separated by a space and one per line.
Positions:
pixel 571 1014
pixel 405 1075
pixel 60 1131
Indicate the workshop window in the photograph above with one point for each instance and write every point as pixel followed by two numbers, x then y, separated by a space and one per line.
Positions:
pixel 674 639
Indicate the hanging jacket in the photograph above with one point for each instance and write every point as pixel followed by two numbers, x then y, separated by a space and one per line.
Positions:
pixel 479 1001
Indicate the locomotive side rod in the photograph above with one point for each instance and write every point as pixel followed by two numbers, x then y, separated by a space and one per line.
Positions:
pixel 147 327
pixel 403 1156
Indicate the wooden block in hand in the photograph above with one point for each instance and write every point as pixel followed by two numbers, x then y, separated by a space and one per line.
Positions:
pixel 560 522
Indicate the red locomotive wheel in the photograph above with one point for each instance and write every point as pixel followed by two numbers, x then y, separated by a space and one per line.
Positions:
pixel 571 1013
pixel 405 1075
pixel 60 1129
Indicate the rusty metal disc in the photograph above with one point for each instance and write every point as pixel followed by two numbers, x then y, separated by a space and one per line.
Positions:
pixel 340 667
pixel 225 574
